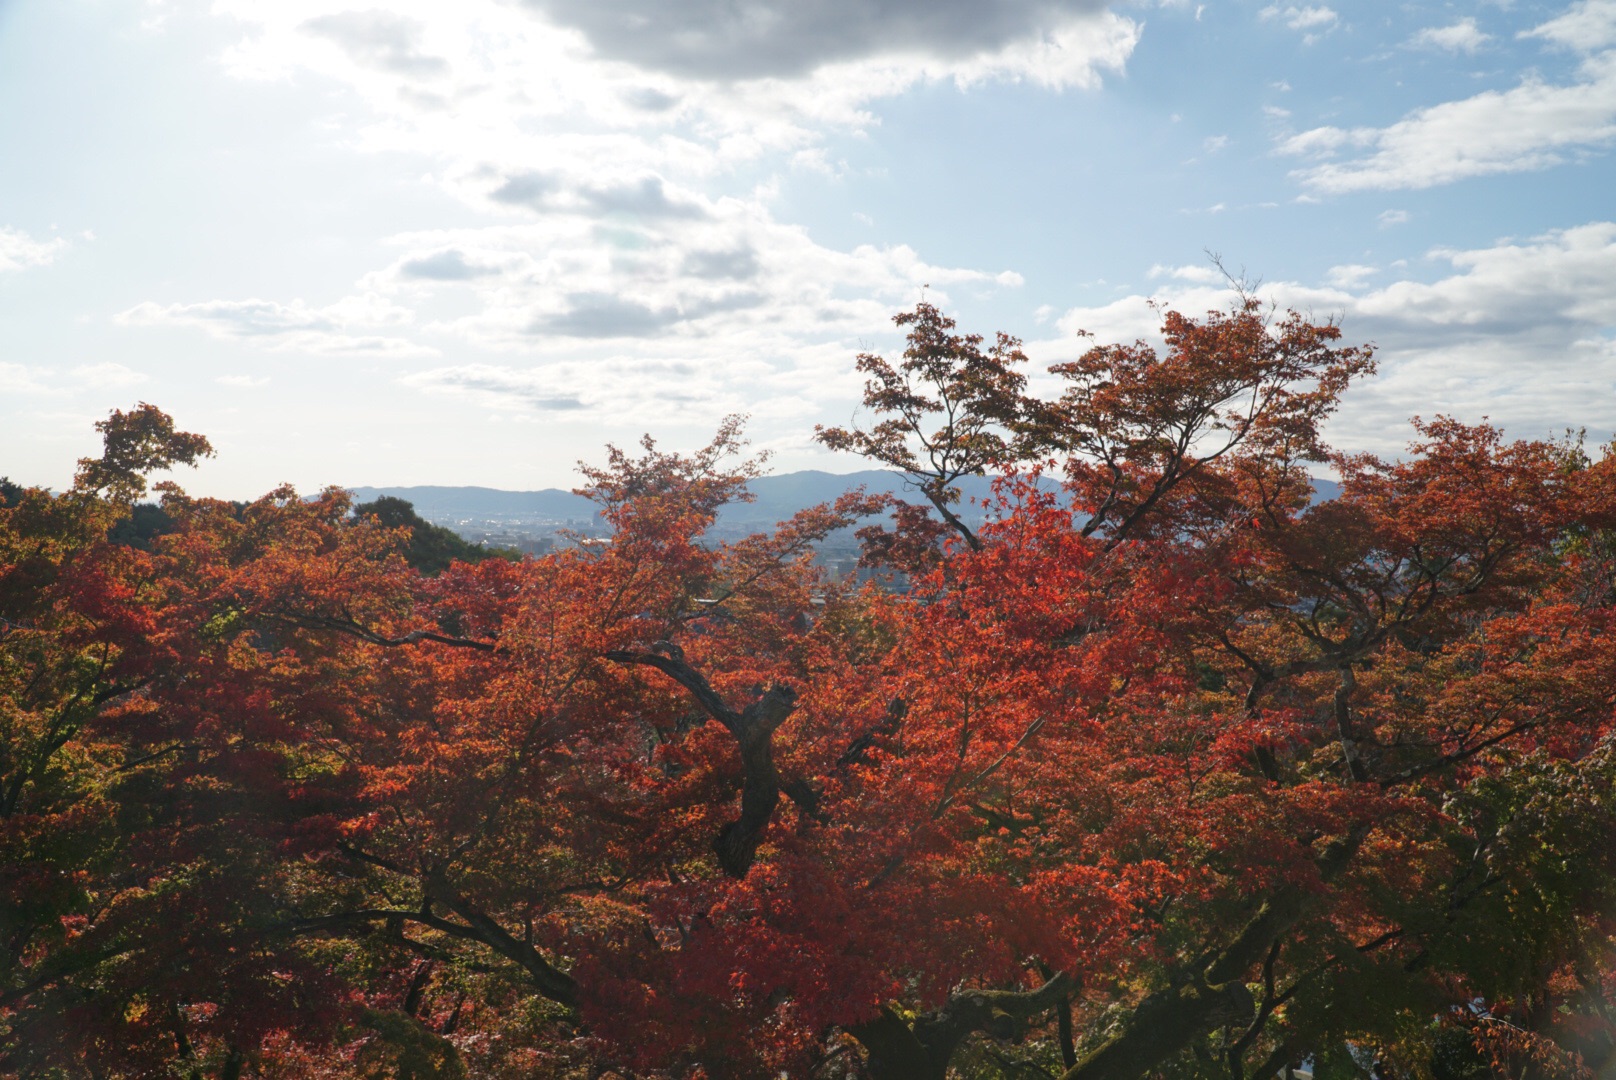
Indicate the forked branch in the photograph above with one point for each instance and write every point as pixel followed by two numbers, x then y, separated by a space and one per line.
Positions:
pixel 753 727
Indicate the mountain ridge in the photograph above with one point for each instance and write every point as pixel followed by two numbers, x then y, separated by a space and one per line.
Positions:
pixel 775 497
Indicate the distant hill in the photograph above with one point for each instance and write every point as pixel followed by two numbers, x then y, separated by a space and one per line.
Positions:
pixel 776 497
pixel 1324 490
pixel 437 503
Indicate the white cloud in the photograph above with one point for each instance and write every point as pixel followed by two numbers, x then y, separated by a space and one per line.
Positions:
pixel 1203 275
pixel 1532 126
pixel 158 13
pixel 378 39
pixel 1314 21
pixel 709 40
pixel 1561 275
pixel 22 379
pixel 293 327
pixel 765 315
pixel 1350 276
pixel 1586 27
pixel 1523 332
pixel 107 374
pixel 1323 141
pixel 242 382
pixel 448 264
pixel 1463 36
pixel 1074 54
pixel 622 385
pixel 491 75
pixel 18 250
pixel 594 166
pixel 516 90
pixel 1389 218
pixel 1301 18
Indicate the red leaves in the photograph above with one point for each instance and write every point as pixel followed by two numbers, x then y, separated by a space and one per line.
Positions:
pixel 1156 729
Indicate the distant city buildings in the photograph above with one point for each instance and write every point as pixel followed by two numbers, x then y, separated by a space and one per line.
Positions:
pixel 838 555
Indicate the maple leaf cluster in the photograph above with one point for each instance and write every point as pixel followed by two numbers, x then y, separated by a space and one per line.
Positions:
pixel 1153 766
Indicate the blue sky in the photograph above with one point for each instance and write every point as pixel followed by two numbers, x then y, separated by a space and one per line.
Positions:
pixel 470 243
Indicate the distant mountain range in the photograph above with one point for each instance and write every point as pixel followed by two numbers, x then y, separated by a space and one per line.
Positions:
pixel 775 497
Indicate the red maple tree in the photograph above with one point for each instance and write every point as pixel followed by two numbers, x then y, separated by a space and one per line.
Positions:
pixel 1153 768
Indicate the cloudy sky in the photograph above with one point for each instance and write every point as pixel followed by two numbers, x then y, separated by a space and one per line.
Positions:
pixel 468 243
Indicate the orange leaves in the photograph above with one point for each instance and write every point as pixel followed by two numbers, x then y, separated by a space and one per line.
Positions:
pixel 140 441
pixel 948 410
pixel 1133 425
pixel 665 804
pixel 1174 663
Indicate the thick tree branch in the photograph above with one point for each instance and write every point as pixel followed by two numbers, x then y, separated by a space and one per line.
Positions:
pixel 900 1051
pixel 753 728
pixel 354 628
pixel 669 659
pixel 549 980
pixel 1168 1020
pixel 971 539
pixel 554 983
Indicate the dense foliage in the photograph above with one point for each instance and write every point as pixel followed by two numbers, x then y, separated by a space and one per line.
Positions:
pixel 1163 771
pixel 430 548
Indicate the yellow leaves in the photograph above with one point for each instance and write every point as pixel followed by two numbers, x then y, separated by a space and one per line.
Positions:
pixel 221 624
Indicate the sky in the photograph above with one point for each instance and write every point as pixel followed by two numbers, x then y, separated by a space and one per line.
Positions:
pixel 471 243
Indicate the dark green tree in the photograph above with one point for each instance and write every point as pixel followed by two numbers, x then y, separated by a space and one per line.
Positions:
pixel 432 547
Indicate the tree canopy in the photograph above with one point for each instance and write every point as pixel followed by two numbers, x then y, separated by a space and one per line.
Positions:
pixel 431 548
pixel 1163 771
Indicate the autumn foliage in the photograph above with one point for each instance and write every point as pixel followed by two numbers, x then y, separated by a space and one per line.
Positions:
pixel 1155 766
